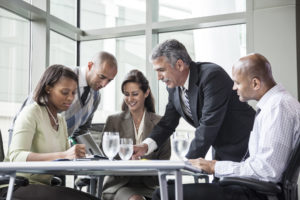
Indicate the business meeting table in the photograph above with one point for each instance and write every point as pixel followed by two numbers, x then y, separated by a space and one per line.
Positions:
pixel 161 168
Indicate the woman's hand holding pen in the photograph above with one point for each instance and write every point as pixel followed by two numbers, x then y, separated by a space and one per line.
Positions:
pixel 76 151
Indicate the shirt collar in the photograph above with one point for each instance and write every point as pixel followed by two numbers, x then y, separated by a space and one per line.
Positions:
pixel 186 84
pixel 82 77
pixel 264 99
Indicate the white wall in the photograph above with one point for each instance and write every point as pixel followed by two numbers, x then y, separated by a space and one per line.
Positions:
pixel 274 36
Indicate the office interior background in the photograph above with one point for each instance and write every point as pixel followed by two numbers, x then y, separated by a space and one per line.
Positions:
pixel 37 33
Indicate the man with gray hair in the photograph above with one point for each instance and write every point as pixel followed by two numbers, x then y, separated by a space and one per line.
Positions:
pixel 91 78
pixel 201 93
pixel 274 138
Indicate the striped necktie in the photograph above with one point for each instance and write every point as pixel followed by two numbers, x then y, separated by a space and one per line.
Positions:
pixel 185 102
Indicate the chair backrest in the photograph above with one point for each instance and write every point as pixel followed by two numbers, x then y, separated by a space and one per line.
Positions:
pixel 1 148
pixel 291 174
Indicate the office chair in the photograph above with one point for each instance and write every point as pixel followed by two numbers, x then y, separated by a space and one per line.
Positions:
pixel 286 190
pixel 4 179
pixel 2 155
pixel 21 181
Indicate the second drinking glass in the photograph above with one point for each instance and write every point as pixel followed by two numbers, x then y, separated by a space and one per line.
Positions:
pixel 126 148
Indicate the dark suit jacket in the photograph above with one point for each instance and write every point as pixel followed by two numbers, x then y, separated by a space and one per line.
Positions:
pixel 123 124
pixel 220 119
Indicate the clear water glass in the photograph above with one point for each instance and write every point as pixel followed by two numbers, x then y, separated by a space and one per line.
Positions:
pixel 180 144
pixel 126 148
pixel 111 144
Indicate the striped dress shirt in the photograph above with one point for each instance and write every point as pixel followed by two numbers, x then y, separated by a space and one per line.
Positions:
pixel 79 117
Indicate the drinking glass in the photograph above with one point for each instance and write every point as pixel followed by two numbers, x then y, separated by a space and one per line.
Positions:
pixel 180 144
pixel 111 144
pixel 126 148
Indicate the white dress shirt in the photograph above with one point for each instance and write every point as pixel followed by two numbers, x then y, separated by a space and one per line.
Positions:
pixel 138 134
pixel 82 79
pixel 149 141
pixel 275 132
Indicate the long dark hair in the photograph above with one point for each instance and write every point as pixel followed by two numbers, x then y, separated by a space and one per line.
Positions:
pixel 49 78
pixel 135 76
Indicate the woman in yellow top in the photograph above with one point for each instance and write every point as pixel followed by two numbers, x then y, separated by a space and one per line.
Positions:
pixel 40 134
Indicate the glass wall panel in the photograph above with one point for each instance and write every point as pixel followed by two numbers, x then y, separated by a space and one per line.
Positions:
pixel 97 14
pixel 177 9
pixel 14 66
pixel 62 50
pixel 130 54
pixel 65 10
pixel 221 45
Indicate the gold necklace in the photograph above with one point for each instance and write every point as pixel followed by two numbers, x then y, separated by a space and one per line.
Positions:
pixel 55 120
pixel 137 126
pixel 137 123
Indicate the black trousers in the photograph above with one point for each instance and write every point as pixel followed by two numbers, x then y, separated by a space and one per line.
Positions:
pixel 46 192
pixel 211 191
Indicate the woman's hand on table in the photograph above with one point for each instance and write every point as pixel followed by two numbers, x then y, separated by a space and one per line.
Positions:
pixel 76 151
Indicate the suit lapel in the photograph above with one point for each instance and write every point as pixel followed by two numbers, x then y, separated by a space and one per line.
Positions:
pixel 193 92
pixel 127 127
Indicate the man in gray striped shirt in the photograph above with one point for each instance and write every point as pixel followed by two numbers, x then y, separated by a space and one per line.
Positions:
pixel 275 132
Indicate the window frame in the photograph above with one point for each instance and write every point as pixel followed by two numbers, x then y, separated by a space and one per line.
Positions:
pixel 150 29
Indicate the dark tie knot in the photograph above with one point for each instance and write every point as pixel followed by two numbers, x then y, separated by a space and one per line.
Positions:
pixel 86 88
